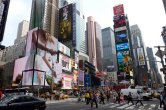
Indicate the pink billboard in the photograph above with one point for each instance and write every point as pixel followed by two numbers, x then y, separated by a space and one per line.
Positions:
pixel 67 81
pixel 44 47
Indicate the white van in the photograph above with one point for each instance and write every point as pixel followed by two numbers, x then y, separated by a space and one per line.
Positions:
pixel 134 93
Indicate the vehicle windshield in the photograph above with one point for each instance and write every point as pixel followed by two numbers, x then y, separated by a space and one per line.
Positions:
pixel 6 99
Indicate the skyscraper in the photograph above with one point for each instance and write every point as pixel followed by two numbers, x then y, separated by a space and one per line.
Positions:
pixel 94 42
pixel 23 28
pixel 141 63
pixel 79 23
pixel 4 6
pixel 109 52
pixel 164 3
pixel 44 14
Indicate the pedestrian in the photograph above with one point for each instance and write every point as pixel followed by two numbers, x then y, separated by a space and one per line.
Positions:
pixel 102 98
pixel 161 100
pixel 87 97
pixel 130 99
pixel 108 96
pixel 93 99
pixel 139 99
pixel 117 97
pixel 122 97
pixel 0 95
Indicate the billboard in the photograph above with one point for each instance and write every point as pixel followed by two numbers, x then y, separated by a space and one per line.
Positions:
pixel 121 37
pixel 67 81
pixel 87 80
pixel 65 61
pixel 120 29
pixel 43 75
pixel 75 77
pixel 118 9
pixel 80 78
pixel 141 58
pixel 76 59
pixel 4 6
pixel 119 21
pixel 123 46
pixel 64 49
pixel 66 23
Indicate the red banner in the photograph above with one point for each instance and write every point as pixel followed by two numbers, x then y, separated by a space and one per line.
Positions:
pixel 118 9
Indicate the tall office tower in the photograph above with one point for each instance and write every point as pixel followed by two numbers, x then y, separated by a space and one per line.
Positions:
pixel 4 6
pixel 44 14
pixel 79 23
pixel 164 3
pixel 153 64
pixel 140 58
pixel 23 28
pixel 109 50
pixel 94 42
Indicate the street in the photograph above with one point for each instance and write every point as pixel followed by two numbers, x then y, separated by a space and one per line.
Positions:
pixel 74 105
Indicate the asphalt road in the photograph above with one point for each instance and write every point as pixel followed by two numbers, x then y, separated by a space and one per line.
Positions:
pixel 74 105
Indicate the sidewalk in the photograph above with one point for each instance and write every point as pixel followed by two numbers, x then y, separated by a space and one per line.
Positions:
pixel 61 101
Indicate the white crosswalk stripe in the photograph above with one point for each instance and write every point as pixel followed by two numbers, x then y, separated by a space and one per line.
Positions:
pixel 115 105
pixel 124 106
pixel 142 107
pixel 131 107
pixel 152 106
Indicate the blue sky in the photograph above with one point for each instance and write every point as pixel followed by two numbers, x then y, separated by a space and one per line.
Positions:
pixel 148 14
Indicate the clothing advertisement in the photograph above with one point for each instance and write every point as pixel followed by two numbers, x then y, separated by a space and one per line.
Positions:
pixel 67 81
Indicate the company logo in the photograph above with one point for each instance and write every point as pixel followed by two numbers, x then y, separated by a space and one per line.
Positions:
pixel 122 46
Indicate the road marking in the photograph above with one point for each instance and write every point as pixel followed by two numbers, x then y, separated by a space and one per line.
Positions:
pixel 131 107
pixel 141 107
pixel 124 106
pixel 152 106
pixel 114 106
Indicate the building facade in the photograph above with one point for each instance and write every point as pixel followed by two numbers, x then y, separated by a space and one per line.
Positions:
pixel 164 3
pixel 44 14
pixel 141 64
pixel 23 28
pixel 4 6
pixel 94 43
pixel 79 23
pixel 109 52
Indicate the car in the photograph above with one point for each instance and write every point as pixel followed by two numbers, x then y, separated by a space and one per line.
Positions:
pixel 22 102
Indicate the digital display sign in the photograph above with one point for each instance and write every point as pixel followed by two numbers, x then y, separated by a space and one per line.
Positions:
pixel 66 23
pixel 65 61
pixel 121 37
pixel 140 55
pixel 123 46
pixel 118 9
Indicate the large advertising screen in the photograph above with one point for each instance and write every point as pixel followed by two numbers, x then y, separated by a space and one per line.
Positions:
pixel 80 78
pixel 121 37
pixel 66 23
pixel 123 46
pixel 118 9
pixel 4 6
pixel 67 81
pixel 65 61
pixel 64 49
pixel 43 75
pixel 141 58
pixel 76 59
pixel 119 21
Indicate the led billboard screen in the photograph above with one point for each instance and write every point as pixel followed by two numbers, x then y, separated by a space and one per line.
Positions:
pixel 41 72
pixel 64 49
pixel 121 37
pixel 67 81
pixel 65 61
pixel 140 55
pixel 76 59
pixel 123 46
pixel 66 23
pixel 119 21
pixel 118 9
pixel 80 78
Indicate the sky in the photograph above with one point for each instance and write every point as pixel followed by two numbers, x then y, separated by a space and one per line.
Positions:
pixel 149 15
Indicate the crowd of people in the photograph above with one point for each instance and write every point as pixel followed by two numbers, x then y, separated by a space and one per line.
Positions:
pixel 100 97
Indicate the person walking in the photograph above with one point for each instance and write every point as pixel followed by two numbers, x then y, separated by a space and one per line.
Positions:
pixel 87 97
pixel 117 97
pixel 102 98
pixel 130 99
pixel 161 100
pixel 139 99
pixel 108 96
pixel 94 99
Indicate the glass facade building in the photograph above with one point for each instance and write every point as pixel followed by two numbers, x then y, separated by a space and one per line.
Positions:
pixel 80 24
pixel 109 52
